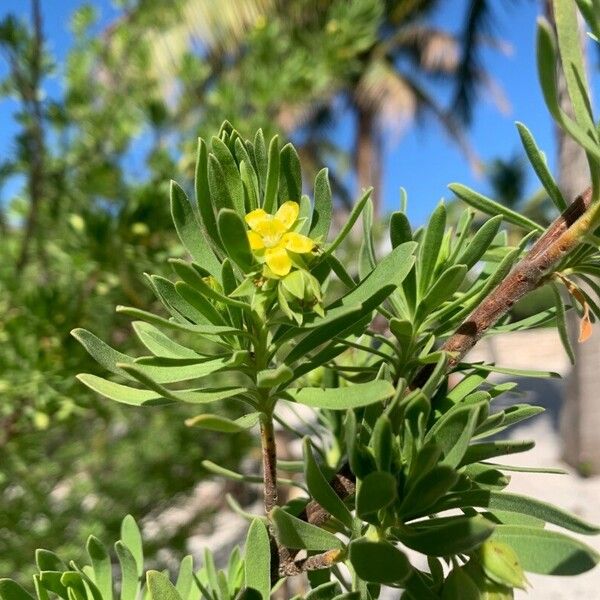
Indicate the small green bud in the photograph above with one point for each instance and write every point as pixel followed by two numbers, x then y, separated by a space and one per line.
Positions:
pixel 300 291
pixel 501 564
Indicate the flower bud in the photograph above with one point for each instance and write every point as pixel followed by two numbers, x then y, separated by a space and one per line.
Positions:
pixel 501 564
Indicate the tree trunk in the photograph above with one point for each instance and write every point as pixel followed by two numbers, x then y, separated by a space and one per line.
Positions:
pixel 580 419
pixel 368 155
pixel 35 139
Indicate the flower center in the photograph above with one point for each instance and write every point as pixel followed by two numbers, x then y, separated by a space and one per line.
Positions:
pixel 271 232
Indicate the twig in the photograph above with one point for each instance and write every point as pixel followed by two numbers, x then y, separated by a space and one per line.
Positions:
pixel 560 238
pixel 269 459
pixel 310 563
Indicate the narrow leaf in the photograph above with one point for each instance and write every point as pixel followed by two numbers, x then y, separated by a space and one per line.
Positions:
pixel 295 533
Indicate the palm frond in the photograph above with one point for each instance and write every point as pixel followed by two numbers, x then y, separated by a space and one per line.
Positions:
pixel 430 48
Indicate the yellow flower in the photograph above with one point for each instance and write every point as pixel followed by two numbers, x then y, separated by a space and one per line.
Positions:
pixel 271 239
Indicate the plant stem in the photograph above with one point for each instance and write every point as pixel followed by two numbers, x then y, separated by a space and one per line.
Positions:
pixel 269 459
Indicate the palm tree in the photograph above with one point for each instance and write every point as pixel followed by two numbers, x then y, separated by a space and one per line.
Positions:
pixel 388 78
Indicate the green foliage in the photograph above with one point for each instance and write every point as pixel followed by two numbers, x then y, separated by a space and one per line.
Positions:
pixel 94 580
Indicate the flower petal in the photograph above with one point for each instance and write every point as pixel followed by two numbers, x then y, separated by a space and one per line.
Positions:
pixel 270 230
pixel 256 217
pixel 256 241
pixel 298 243
pixel 278 261
pixel 288 213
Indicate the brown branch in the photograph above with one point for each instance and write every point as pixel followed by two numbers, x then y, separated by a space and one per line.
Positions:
pixel 269 459
pixel 310 563
pixel 528 274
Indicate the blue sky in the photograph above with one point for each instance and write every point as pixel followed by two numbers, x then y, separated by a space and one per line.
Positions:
pixel 423 160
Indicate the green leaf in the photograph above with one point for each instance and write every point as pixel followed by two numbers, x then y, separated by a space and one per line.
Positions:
pixel 122 393
pixel 480 242
pixel 360 394
pixel 272 181
pixel 189 231
pixel 453 432
pixel 11 590
pixel 290 183
pixel 185 577
pixel 561 323
pixel 377 490
pixel 347 227
pixel 271 378
pixel 213 330
pixel 400 230
pixel 218 187
pixel 540 166
pixel 445 536
pixel 181 310
pixel 391 270
pixel 160 587
pixel 295 533
pixel 379 562
pixel 459 586
pixel 320 490
pixel 102 567
pixel 222 424
pixel 257 556
pixel 191 397
pixel 162 370
pixel 512 415
pixel 158 343
pixel 51 581
pixel 546 59
pixel 132 538
pixel 325 591
pixel 518 469
pixel 521 504
pixel 260 155
pixel 359 458
pixel 429 248
pixel 73 581
pixel 569 43
pixel 190 273
pixel 130 583
pixel 323 207
pixel 102 353
pixel 47 560
pixel 201 304
pixel 337 323
pixel 203 198
pixel 488 206
pixel 427 490
pixel 547 552
pixel 231 172
pixel 366 253
pixel 235 239
pixel 479 452
pixel 445 286
pixel 250 185
pixel 382 443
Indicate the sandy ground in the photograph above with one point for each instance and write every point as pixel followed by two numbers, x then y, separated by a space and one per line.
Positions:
pixel 541 349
